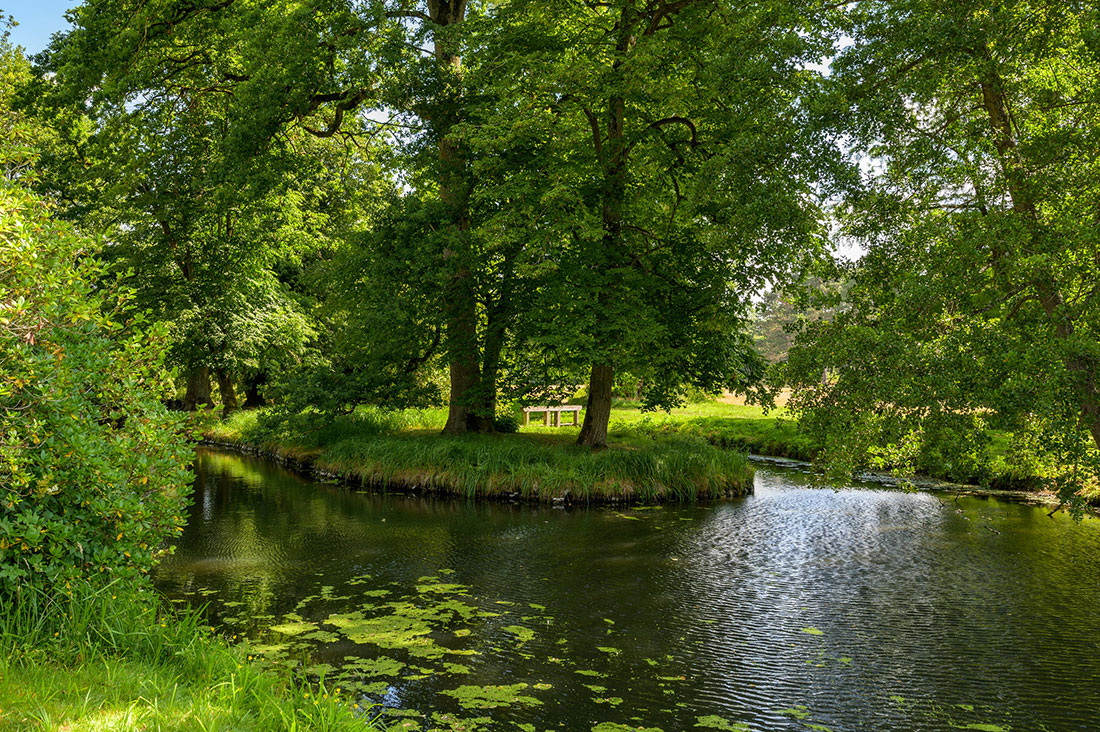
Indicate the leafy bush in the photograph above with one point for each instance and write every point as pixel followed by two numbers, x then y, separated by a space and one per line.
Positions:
pixel 505 422
pixel 93 469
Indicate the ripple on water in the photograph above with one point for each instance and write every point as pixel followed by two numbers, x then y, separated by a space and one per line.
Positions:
pixel 795 608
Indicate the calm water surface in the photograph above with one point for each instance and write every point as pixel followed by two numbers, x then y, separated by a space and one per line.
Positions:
pixel 796 608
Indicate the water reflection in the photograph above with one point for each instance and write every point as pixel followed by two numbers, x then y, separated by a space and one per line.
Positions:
pixel 859 609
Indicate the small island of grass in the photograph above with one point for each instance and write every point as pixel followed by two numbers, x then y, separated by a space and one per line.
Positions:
pixel 403 450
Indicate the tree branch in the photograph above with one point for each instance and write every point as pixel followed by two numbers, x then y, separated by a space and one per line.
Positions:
pixel 597 141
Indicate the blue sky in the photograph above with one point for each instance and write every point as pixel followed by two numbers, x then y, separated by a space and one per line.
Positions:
pixel 38 20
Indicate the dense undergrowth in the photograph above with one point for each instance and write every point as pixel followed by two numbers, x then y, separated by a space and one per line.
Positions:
pixel 402 450
pixel 114 658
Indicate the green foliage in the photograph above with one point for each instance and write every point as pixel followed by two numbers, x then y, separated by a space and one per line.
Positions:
pixel 504 422
pixel 781 313
pixel 975 303
pixel 654 193
pixel 214 236
pixel 547 209
pixel 93 470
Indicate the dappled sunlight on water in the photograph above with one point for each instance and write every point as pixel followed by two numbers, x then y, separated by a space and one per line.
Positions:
pixel 795 608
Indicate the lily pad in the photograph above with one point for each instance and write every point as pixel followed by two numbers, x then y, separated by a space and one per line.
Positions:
pixel 521 633
pixel 294 628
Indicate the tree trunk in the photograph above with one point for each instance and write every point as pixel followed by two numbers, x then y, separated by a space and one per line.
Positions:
pixel 463 414
pixel 229 394
pixel 198 389
pixel 598 413
pixel 467 407
pixel 252 397
pixel 600 383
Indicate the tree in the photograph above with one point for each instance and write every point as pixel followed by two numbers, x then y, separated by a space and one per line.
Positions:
pixel 693 190
pixel 203 232
pixel 93 470
pixel 782 312
pixel 319 67
pixel 676 178
pixel 977 299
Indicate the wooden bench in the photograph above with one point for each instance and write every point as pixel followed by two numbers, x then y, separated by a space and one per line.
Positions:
pixel 556 411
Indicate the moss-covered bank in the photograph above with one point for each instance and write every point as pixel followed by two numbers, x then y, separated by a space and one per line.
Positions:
pixel 369 449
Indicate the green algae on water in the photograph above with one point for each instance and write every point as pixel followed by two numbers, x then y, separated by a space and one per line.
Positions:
pixel 713 721
pixel 491 696
pixel 798 712
pixel 380 666
pixel 294 628
pixel 522 634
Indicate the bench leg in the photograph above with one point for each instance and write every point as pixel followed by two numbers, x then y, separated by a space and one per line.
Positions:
pixel 526 418
pixel 546 419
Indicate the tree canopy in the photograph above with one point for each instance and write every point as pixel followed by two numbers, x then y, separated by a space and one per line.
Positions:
pixel 976 302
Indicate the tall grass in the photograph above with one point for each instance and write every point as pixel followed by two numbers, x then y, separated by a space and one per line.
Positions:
pixel 754 433
pixel 472 465
pixel 404 450
pixel 111 657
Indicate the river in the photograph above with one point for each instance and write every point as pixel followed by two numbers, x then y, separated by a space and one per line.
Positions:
pixel 795 608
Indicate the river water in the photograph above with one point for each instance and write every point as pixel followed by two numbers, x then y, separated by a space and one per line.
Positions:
pixel 791 609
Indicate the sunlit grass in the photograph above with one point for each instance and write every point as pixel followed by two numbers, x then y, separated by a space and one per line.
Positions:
pixel 387 448
pixel 110 659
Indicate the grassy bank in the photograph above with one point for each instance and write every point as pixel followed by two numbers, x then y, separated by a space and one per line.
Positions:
pixel 109 660
pixel 403 450
pixel 393 448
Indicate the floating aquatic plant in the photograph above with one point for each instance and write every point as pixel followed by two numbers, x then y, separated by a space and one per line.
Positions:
pixel 713 721
pixel 492 696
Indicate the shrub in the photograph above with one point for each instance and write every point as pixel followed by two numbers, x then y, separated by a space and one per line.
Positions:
pixel 93 469
pixel 505 422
